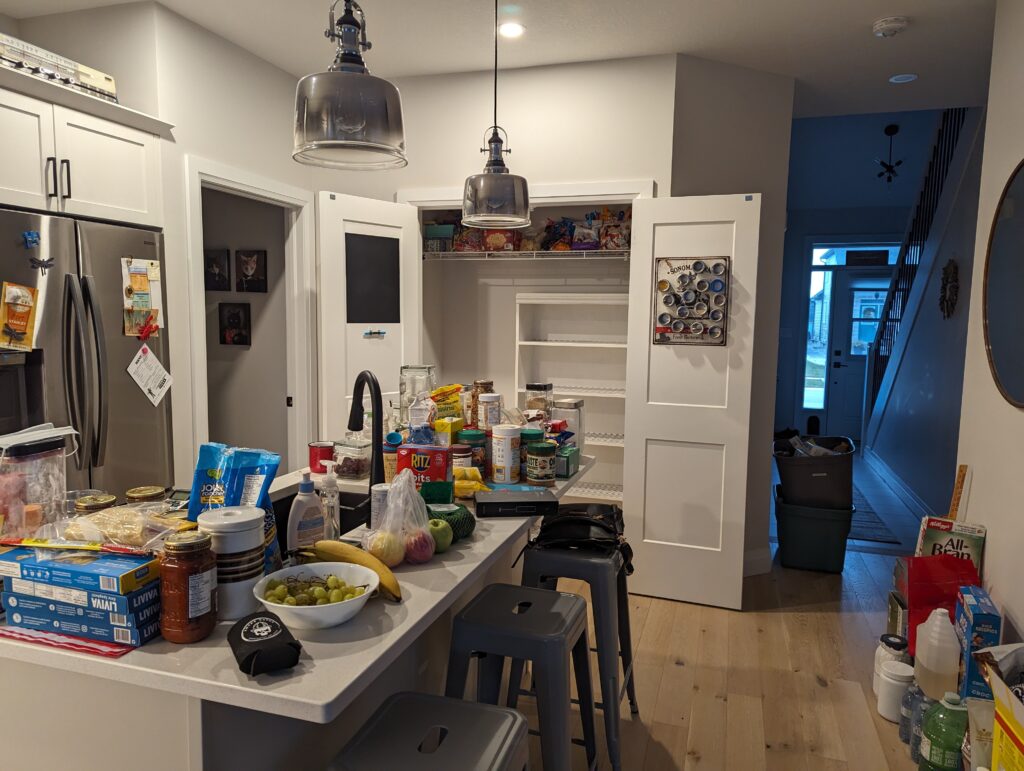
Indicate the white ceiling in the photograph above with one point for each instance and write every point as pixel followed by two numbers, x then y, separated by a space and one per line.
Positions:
pixel 827 45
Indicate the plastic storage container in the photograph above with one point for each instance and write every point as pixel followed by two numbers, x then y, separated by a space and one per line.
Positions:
pixel 937 655
pixel 236 533
pixel 891 647
pixel 540 396
pixel 33 487
pixel 352 457
pixel 571 411
pixel 895 679
pixel 822 482
pixel 414 379
pixel 811 538
pixel 488 413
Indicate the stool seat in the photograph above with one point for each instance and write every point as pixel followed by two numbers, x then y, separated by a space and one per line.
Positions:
pixel 421 732
pixel 533 614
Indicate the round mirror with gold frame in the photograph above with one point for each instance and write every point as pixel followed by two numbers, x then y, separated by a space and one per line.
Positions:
pixel 1003 291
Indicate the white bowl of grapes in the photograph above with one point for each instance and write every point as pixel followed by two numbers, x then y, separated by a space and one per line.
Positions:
pixel 318 595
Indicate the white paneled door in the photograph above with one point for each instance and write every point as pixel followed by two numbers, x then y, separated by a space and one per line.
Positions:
pixel 370 298
pixel 688 409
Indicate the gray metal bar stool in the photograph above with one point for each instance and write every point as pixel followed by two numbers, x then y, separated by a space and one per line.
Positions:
pixel 540 625
pixel 610 601
pixel 420 732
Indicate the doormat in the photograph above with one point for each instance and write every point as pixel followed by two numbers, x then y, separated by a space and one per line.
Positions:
pixel 866 524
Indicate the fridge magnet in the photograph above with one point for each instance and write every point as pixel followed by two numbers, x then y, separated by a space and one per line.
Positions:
pixel 18 316
pixel 217 270
pixel 149 374
pixel 141 322
pixel 251 270
pixel 695 294
pixel 235 324
pixel 142 293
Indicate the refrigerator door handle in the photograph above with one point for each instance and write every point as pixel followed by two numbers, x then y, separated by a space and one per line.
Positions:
pixel 92 298
pixel 51 171
pixel 73 335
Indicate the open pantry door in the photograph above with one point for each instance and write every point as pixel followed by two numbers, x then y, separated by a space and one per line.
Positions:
pixel 688 392
pixel 370 298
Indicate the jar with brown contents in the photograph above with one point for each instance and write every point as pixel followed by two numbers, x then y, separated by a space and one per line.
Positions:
pixel 188 588
pixel 479 387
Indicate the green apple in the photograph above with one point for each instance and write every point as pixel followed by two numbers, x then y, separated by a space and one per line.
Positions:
pixel 442 533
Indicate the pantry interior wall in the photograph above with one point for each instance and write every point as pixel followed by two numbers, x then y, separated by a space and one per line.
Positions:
pixel 9 26
pixel 990 427
pixel 248 384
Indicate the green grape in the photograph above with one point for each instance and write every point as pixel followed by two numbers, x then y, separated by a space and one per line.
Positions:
pixel 290 600
pixel 281 592
pixel 360 591
pixel 270 597
pixel 337 595
pixel 332 582
pixel 273 583
pixel 322 601
pixel 303 599
pixel 320 593
pixel 349 596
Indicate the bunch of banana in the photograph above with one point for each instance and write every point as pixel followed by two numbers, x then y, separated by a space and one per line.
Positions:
pixel 338 551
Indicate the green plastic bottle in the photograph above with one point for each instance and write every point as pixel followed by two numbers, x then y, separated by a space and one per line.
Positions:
pixel 942 733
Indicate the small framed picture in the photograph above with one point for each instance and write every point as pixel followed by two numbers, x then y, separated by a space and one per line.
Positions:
pixel 250 270
pixel 217 270
pixel 235 323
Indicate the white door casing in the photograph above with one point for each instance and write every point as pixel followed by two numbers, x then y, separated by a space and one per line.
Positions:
pixel 344 349
pixel 688 409
pixel 28 163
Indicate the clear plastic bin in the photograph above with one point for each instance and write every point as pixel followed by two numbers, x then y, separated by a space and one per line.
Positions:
pixel 33 486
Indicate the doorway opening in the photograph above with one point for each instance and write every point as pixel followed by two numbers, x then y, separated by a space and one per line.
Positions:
pixel 847 287
pixel 246 307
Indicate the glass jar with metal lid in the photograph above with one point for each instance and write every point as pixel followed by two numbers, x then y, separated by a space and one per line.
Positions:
pixel 145 494
pixel 539 396
pixel 479 387
pixel 188 587
pixel 90 504
pixel 571 411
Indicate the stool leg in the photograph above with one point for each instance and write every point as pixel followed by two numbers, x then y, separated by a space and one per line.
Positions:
pixel 554 710
pixel 626 641
pixel 531 577
pixel 458 671
pixel 488 678
pixel 604 601
pixel 585 691
pixel 515 682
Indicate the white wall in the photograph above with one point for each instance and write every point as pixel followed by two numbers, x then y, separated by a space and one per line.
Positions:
pixel 248 384
pixel 9 26
pixel 990 427
pixel 731 135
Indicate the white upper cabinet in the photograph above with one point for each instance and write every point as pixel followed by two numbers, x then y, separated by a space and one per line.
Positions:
pixel 62 160
pixel 28 164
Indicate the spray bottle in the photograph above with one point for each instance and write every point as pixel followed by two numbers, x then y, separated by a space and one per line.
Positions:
pixel 330 497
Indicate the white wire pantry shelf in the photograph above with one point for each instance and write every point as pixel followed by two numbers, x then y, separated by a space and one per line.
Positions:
pixel 569 389
pixel 605 440
pixel 602 491
pixel 581 343
pixel 609 254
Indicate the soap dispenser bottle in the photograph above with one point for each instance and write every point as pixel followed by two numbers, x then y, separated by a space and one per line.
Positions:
pixel 306 522
pixel 330 496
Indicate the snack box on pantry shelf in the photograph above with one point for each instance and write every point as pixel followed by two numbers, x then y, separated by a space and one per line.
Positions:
pixel 428 463
pixel 48 623
pixel 95 571
pixel 100 601
pixel 940 535
pixel 62 610
pixel 978 625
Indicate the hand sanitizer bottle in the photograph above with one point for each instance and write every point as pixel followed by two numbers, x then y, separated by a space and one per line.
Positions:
pixel 330 496
pixel 306 517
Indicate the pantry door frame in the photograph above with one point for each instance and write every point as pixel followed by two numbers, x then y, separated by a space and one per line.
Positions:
pixel 298 207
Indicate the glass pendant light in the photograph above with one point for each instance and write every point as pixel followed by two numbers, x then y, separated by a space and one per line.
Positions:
pixel 346 118
pixel 496 198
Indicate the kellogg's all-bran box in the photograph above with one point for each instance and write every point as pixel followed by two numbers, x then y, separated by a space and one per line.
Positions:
pixel 428 463
pixel 939 535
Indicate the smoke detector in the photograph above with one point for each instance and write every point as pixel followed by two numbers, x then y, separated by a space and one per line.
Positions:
pixel 890 26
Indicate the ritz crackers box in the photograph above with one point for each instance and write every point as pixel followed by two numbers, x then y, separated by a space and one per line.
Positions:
pixel 978 625
pixel 428 463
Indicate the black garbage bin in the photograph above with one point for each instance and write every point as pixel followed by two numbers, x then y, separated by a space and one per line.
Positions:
pixel 823 481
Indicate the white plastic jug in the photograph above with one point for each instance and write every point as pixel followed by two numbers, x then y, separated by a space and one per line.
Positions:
pixel 937 662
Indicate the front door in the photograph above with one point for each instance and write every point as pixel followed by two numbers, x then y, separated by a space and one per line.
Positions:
pixel 688 406
pixel 370 299
pixel 859 299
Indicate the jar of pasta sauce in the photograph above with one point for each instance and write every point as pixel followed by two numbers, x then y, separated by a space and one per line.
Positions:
pixel 188 587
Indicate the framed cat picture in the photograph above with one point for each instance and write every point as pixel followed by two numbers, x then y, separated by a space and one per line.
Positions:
pixel 235 323
pixel 217 270
pixel 250 270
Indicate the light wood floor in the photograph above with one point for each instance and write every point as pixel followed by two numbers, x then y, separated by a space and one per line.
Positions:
pixel 783 686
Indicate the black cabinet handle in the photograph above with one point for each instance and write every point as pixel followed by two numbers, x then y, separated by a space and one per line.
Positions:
pixel 65 166
pixel 51 173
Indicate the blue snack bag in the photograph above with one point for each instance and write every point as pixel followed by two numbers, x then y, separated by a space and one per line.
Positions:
pixel 208 483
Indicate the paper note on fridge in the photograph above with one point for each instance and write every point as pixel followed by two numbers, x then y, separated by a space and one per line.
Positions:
pixel 141 287
pixel 149 373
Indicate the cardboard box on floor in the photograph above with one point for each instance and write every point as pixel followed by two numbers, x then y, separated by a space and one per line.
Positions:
pixel 1008 733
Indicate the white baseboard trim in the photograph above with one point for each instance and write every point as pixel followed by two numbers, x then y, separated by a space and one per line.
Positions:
pixel 757 561
pixel 897 485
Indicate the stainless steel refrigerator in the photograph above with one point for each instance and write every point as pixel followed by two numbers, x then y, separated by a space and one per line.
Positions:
pixel 76 373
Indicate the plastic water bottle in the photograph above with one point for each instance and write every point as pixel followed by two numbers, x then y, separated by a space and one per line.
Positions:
pixel 937 658
pixel 912 695
pixel 922 705
pixel 943 732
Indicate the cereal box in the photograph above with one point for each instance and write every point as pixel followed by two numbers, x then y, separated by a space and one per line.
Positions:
pixel 939 535
pixel 978 625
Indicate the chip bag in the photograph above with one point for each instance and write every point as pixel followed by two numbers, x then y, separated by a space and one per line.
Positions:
pixel 449 405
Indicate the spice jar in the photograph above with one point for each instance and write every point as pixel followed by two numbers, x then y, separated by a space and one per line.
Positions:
pixel 90 504
pixel 188 587
pixel 479 387
pixel 488 411
pixel 540 464
pixel 145 494
pixel 527 437
pixel 539 397
pixel 477 442
pixel 462 456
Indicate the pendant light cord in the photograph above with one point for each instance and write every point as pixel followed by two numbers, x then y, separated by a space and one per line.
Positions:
pixel 495 65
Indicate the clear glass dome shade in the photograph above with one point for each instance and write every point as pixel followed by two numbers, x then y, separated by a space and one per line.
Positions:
pixel 496 200
pixel 348 120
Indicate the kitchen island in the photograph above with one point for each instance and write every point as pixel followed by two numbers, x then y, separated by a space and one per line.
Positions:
pixel 177 707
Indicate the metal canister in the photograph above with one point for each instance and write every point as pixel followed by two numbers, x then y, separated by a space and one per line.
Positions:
pixel 145 494
pixel 89 504
pixel 378 503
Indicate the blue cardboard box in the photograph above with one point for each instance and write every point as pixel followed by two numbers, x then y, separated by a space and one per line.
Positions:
pixel 82 598
pixel 95 571
pixel 978 625
pixel 48 622
pixel 36 605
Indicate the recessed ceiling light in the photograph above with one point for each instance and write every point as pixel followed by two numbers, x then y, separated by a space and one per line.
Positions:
pixel 906 77
pixel 511 29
